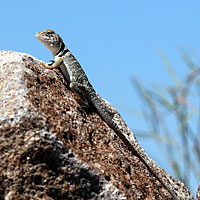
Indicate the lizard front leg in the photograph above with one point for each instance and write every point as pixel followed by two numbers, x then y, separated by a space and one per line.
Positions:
pixel 54 64
pixel 80 92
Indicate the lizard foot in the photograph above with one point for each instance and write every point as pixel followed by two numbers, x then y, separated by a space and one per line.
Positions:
pixel 80 93
pixel 46 66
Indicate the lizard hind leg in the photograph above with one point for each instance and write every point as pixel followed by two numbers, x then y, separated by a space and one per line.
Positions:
pixel 80 92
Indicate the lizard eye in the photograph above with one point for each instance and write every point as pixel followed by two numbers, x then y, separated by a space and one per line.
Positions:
pixel 49 32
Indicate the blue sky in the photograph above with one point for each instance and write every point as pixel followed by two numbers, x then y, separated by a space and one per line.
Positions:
pixel 114 41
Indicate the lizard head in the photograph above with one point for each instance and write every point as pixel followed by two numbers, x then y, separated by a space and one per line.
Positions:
pixel 51 40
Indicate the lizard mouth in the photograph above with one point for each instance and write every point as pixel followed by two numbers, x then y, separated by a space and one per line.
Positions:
pixel 38 36
pixel 44 40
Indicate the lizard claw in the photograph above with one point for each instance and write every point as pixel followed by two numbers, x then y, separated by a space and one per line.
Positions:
pixel 52 61
pixel 47 66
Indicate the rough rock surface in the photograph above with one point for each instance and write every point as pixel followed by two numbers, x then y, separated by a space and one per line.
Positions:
pixel 52 148
pixel 198 192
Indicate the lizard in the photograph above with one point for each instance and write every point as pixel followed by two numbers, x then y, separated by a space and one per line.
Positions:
pixel 77 79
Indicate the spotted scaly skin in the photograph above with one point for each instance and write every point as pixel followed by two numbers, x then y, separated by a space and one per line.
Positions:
pixel 79 83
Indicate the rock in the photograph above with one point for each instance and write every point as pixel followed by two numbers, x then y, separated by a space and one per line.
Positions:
pixel 52 148
pixel 198 192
